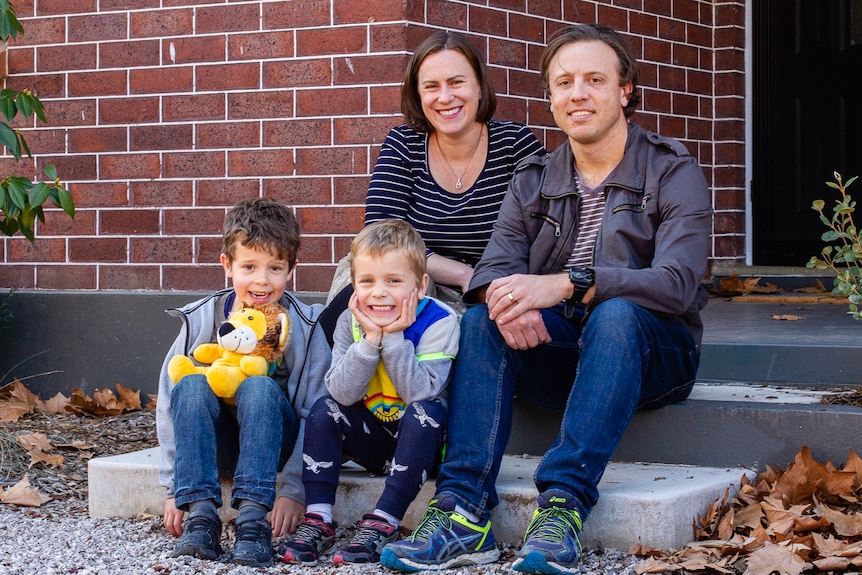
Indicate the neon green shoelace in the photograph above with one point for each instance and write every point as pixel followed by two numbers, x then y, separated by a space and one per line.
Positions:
pixel 551 524
pixel 433 519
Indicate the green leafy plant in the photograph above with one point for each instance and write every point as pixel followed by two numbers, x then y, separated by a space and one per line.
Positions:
pixel 21 200
pixel 843 251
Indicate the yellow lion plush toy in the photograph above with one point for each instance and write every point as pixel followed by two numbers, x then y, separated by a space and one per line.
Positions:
pixel 248 342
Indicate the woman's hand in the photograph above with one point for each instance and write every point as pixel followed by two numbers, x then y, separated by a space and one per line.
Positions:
pixel 449 272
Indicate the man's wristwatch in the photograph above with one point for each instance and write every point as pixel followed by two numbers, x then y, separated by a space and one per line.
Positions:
pixel 583 279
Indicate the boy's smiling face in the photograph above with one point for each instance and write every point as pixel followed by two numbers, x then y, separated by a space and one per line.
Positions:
pixel 382 283
pixel 258 275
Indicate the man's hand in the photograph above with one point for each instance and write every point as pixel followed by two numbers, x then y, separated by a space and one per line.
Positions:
pixel 525 331
pixel 514 303
pixel 513 295
pixel 173 518
pixel 286 515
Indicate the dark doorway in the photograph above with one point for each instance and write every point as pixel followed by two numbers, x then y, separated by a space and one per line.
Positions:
pixel 807 120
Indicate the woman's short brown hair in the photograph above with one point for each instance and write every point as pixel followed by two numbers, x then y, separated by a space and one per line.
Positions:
pixel 411 103
pixel 628 69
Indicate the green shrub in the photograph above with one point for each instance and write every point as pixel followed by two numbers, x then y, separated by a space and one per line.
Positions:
pixel 21 200
pixel 843 251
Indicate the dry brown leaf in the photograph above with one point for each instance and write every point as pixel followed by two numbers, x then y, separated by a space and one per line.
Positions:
pixel 751 286
pixel 750 516
pixel 13 410
pixel 22 494
pixel 786 317
pixel 838 485
pixel 642 550
pixel 847 524
pixel 107 401
pixel 34 442
pixel 20 392
pixel 832 563
pixel 828 546
pixel 56 404
pixel 818 287
pixel 854 464
pixel 801 479
pixel 48 458
pixel 131 400
pixel 653 565
pixel 774 558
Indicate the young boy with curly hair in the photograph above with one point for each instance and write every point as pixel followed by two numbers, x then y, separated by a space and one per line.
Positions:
pixel 203 437
pixel 393 348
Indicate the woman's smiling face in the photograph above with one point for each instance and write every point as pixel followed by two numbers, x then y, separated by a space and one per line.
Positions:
pixel 450 92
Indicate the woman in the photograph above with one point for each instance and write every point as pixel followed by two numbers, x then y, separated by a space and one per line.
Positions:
pixel 445 170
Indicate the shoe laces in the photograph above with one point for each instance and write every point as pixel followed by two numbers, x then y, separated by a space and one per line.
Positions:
pixel 366 535
pixel 306 531
pixel 553 523
pixel 432 521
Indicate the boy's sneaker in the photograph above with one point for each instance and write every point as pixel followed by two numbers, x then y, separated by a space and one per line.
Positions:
pixel 313 538
pixel 253 544
pixel 372 533
pixel 443 539
pixel 551 544
pixel 200 538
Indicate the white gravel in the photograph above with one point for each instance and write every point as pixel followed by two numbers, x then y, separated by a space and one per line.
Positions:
pixel 59 538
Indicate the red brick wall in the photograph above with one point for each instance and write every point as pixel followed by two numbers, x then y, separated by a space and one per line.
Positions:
pixel 162 113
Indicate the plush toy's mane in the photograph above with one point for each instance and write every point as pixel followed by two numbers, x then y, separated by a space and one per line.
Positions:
pixel 270 347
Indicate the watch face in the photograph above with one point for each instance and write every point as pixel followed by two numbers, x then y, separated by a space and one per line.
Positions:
pixel 580 275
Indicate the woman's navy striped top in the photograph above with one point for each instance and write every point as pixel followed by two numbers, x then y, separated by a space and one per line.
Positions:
pixel 456 226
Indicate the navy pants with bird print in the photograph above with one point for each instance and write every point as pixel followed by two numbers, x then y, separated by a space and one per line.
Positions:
pixel 406 450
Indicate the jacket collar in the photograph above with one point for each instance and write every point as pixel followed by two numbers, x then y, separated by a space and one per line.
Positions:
pixel 630 173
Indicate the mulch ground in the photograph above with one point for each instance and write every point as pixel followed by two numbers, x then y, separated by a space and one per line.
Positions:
pixel 78 439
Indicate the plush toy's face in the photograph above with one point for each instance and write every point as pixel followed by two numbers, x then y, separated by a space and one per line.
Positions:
pixel 242 330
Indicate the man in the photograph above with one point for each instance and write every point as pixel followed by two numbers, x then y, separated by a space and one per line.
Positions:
pixel 591 291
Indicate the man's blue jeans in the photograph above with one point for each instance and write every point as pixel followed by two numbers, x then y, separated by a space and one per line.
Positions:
pixel 248 442
pixel 621 359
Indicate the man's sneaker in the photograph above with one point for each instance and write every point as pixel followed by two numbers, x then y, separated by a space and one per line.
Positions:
pixel 313 538
pixel 372 533
pixel 551 544
pixel 443 539
pixel 253 544
pixel 200 538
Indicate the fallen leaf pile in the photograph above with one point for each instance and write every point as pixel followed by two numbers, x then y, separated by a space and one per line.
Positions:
pixel 732 286
pixel 806 519
pixel 48 443
pixel 17 401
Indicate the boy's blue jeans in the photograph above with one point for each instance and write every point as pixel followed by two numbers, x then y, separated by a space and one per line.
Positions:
pixel 621 359
pixel 248 442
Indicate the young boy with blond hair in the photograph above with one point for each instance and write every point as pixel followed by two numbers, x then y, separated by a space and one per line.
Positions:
pixel 393 349
pixel 203 438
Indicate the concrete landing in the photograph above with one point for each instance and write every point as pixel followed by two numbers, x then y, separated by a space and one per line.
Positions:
pixel 653 504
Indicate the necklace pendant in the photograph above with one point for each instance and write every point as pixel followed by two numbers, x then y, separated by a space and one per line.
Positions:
pixel 458 184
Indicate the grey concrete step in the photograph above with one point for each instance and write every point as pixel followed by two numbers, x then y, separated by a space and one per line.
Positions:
pixel 743 341
pixel 720 425
pixel 652 504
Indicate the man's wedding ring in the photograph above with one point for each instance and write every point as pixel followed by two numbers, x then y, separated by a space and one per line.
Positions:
pixel 511 297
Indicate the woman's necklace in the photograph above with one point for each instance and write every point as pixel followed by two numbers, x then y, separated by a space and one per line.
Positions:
pixel 458 184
